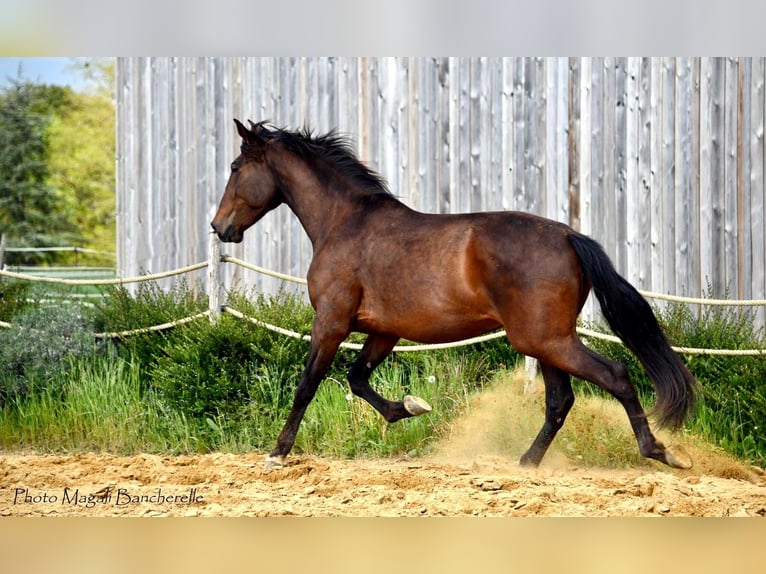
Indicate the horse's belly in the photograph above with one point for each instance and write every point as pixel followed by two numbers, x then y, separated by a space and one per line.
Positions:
pixel 426 327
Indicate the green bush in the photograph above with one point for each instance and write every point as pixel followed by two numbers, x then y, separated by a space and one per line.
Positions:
pixel 13 298
pixel 39 347
pixel 120 310
pixel 212 370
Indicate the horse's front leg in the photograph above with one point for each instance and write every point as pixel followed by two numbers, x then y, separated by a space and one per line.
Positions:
pixel 322 350
pixel 375 349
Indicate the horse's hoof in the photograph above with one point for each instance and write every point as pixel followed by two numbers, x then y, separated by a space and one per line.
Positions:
pixel 416 406
pixel 677 457
pixel 275 462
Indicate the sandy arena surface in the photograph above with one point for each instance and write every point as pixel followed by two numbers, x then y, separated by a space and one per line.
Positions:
pixel 239 485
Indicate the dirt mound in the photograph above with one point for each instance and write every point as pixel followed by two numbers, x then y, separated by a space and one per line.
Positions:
pixel 504 420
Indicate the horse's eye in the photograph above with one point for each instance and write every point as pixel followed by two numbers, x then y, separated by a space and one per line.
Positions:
pixel 234 167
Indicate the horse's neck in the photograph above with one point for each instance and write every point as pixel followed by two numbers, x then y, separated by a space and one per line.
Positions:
pixel 318 207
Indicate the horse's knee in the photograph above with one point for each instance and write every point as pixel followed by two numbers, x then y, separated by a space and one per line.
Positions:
pixel 621 387
pixel 556 411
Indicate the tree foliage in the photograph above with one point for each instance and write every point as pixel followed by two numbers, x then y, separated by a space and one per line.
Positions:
pixel 57 174
pixel 32 211
pixel 81 163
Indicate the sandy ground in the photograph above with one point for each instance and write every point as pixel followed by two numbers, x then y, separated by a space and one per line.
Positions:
pixel 470 474
pixel 239 485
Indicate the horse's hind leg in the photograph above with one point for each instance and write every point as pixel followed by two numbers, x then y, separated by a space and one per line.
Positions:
pixel 375 349
pixel 559 398
pixel 575 358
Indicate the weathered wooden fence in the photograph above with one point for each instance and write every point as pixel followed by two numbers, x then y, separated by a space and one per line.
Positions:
pixel 660 159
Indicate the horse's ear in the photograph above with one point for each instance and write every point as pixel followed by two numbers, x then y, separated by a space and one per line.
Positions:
pixel 243 132
pixel 251 138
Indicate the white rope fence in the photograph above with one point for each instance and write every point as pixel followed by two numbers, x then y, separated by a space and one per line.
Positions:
pixel 215 307
pixel 100 282
pixel 153 328
pixel 65 249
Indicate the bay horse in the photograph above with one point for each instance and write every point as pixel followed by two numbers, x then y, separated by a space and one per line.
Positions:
pixel 383 269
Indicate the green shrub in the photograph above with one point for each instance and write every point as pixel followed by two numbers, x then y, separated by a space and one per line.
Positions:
pixel 38 348
pixel 221 371
pixel 13 298
pixel 218 369
pixel 120 310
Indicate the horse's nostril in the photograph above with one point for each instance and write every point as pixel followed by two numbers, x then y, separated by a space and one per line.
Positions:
pixel 217 231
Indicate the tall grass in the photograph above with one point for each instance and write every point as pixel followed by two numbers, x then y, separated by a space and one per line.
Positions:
pixel 100 407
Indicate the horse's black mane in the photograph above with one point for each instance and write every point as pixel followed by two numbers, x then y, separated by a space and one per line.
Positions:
pixel 331 148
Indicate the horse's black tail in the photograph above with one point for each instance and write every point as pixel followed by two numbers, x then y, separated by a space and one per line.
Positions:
pixel 631 318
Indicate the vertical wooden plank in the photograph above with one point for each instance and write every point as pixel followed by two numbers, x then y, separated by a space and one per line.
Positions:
pixel 668 175
pixel 508 133
pixel 694 167
pixel 122 139
pixel 332 87
pixel 519 135
pixel 620 155
pixel 654 136
pixel 144 155
pixel 574 143
pixel 388 87
pixel 596 155
pixel 683 176
pixel 603 132
pixel 495 103
pixel 407 192
pixel 443 81
pixel 412 118
pixel 462 149
pixel 374 126
pixel 706 175
pixel 556 154
pixel 757 184
pixel 363 116
pixel 534 95
pixel 633 185
pixel 424 173
pixel 476 129
pixel 743 187
pixel 585 162
pixel 718 177
pixel 731 231
pixel 647 239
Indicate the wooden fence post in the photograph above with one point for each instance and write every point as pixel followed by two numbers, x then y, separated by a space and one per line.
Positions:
pixel 530 369
pixel 213 277
pixel 2 249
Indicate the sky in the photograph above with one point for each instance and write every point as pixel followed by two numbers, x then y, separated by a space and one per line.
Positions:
pixel 41 70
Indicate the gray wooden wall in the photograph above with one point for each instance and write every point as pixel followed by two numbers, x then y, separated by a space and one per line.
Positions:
pixel 660 159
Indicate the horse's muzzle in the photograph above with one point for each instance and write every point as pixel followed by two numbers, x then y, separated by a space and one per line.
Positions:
pixel 228 235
